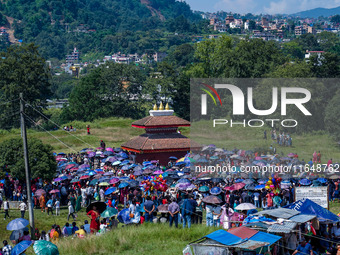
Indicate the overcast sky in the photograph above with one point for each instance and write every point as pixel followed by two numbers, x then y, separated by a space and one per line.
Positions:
pixel 261 6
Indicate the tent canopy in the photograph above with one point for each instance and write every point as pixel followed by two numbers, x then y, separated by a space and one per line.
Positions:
pixel 254 239
pixel 307 206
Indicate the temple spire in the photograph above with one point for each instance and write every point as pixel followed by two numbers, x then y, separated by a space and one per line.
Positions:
pixel 161 107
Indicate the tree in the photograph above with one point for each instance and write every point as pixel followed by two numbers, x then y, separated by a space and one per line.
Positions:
pixel 109 90
pixel 41 160
pixel 332 116
pixel 22 70
pixel 335 19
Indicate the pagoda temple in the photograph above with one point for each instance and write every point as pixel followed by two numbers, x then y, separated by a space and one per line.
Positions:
pixel 161 139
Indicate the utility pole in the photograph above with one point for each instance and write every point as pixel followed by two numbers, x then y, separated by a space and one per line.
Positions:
pixel 27 167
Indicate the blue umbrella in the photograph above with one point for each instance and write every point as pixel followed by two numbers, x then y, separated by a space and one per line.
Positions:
pixel 183 180
pixel 126 167
pixel 21 247
pixel 91 172
pixel 261 186
pixel 125 178
pixel 239 180
pixel 108 153
pixel 123 185
pixel 17 224
pixel 322 180
pixel 124 216
pixel 215 191
pixel 173 158
pixel 123 155
pixel 110 190
pixel 305 182
pixel 138 172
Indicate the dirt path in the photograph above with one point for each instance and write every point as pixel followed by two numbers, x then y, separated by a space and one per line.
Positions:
pixel 153 11
pixel 10 30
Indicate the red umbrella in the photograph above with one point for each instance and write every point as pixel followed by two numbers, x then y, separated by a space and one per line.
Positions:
pixel 84 177
pixel 236 186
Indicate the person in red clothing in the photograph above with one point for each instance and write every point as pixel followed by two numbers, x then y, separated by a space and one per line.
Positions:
pixel 94 216
pixel 88 129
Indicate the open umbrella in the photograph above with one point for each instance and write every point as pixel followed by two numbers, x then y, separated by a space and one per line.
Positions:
pixel 53 191
pixel 305 182
pixel 212 200
pixel 260 186
pixel 43 247
pixel 124 216
pixel 109 212
pixel 83 177
pixel 16 234
pixel 114 180
pixel 245 206
pixel 40 192
pixel 104 184
pixel 21 247
pixel 203 189
pixel 110 190
pixel 215 191
pixel 101 206
pixel 123 185
pixel 17 224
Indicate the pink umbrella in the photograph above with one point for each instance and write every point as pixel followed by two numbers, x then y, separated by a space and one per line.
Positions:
pixel 74 169
pixel 258 158
pixel 158 172
pixel 109 149
pixel 53 191
pixel 229 188
pixel 114 180
pixel 99 148
pixel 239 185
pixel 40 192
pixel 70 166
pixel 291 155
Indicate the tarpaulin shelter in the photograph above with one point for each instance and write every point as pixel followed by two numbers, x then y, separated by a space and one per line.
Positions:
pixel 220 241
pixel 307 206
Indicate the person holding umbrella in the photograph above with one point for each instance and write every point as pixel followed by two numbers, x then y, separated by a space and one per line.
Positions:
pixel 94 216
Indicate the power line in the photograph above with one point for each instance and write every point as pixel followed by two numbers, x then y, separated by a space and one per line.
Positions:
pixel 57 124
pixel 10 101
pixel 49 133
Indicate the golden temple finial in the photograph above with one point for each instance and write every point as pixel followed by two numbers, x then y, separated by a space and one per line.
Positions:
pixel 167 107
pixel 155 107
pixel 161 107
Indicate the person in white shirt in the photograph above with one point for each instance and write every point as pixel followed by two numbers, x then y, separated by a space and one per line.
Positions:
pixel 57 207
pixel 22 207
pixel 6 209
pixel 70 211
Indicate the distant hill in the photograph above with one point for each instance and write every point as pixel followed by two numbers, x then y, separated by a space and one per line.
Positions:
pixel 59 25
pixel 317 12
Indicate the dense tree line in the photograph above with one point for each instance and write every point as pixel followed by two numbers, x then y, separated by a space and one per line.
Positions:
pixel 112 25
pixel 130 90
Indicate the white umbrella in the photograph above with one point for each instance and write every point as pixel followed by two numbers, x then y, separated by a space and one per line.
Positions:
pixel 245 207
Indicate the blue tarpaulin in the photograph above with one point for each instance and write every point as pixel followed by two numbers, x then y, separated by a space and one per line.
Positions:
pixel 224 237
pixel 265 237
pixel 306 206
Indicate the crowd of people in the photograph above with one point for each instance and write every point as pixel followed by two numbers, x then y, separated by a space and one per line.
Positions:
pixel 149 192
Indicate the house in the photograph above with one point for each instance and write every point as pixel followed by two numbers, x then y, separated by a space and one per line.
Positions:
pixel 73 58
pixel 311 30
pixel 313 53
pixel 229 19
pixel 159 56
pixel 299 30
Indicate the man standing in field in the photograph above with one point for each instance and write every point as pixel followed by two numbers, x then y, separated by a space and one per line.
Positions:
pixel 22 207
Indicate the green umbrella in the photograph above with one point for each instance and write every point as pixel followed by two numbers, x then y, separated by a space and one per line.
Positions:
pixel 109 212
pixel 203 189
pixel 104 184
pixel 43 247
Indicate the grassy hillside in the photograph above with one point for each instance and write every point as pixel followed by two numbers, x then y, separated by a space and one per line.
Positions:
pixel 114 131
